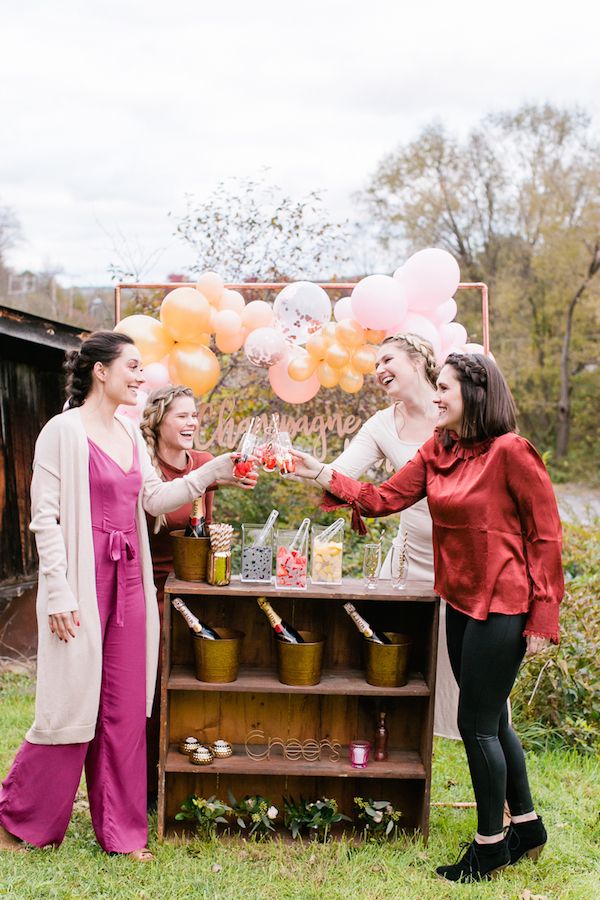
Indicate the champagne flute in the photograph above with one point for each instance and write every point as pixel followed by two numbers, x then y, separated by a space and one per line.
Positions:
pixel 399 564
pixel 285 461
pixel 371 565
pixel 243 460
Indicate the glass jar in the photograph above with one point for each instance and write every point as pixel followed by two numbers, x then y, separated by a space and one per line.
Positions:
pixel 257 555
pixel 218 570
pixel 326 556
pixel 291 564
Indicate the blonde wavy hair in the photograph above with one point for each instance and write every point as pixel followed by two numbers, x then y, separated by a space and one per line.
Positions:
pixel 419 350
pixel 156 408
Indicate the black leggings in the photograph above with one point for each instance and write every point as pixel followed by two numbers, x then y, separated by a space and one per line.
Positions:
pixel 485 658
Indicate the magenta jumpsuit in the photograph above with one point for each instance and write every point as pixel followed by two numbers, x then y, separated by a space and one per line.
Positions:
pixel 36 799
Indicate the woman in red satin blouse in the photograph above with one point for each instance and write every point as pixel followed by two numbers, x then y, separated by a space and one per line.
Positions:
pixel 497 561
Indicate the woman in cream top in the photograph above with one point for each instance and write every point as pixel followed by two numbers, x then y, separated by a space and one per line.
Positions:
pixel 406 370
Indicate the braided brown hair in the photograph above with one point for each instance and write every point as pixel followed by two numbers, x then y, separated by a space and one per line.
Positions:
pixel 101 346
pixel 488 405
pixel 419 350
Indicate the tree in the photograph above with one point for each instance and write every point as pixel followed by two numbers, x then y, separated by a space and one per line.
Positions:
pixel 249 230
pixel 517 203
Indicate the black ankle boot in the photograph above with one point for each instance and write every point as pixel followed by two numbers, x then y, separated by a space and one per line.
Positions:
pixel 526 839
pixel 479 862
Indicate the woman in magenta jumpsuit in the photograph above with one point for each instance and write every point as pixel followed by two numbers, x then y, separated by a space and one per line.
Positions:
pixel 497 563
pixel 97 617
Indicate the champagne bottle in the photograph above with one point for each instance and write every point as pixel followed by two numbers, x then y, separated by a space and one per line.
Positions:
pixel 283 631
pixel 364 627
pixel 198 627
pixel 381 740
pixel 196 527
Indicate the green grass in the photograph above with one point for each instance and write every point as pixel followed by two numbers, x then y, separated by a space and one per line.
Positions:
pixel 566 787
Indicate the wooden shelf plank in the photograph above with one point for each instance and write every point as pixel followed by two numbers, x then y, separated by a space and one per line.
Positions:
pixel 402 764
pixel 264 681
pixel 350 589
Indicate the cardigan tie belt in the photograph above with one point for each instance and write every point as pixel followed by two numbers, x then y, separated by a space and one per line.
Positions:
pixel 120 549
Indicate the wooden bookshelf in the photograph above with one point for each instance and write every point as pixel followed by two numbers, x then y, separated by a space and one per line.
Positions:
pixel 341 708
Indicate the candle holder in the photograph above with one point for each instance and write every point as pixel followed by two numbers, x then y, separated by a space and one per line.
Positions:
pixel 359 754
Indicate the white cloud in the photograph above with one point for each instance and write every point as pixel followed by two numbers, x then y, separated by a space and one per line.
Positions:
pixel 112 111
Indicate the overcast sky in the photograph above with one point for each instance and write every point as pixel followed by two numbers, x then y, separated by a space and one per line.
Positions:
pixel 112 111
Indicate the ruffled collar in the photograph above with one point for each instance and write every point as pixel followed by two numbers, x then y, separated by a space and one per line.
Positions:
pixel 468 449
pixel 168 469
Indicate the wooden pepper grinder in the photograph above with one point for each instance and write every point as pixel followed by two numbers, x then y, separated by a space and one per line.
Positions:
pixel 381 740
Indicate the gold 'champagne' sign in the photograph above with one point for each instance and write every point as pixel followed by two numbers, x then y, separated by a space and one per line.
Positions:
pixel 291 749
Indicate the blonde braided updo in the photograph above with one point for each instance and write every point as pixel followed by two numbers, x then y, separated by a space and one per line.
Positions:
pixel 419 350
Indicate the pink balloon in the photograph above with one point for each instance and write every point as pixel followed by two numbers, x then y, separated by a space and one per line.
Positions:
pixel 453 333
pixel 429 277
pixel 134 412
pixel 416 324
pixel 343 309
pixel 445 313
pixel 289 390
pixel 155 376
pixel 378 302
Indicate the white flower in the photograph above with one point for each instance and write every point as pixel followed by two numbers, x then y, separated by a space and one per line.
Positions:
pixel 378 816
pixel 272 812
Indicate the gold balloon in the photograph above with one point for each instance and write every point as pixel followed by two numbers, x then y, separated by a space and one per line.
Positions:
pixel 186 314
pixel 364 359
pixel 327 376
pixel 149 337
pixel 318 344
pixel 210 284
pixel 374 337
pixel 350 333
pixel 230 343
pixel 351 381
pixel 194 366
pixel 300 368
pixel 337 356
pixel 328 330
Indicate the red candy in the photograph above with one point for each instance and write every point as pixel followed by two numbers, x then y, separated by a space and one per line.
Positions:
pixel 291 568
pixel 242 468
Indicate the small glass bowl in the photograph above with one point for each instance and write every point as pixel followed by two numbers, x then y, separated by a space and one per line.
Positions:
pixel 188 745
pixel 202 756
pixel 221 749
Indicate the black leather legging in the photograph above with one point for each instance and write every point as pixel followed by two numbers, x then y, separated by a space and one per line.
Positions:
pixel 485 658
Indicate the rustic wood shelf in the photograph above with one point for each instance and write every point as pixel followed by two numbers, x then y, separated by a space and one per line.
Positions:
pixel 264 681
pixel 400 764
pixel 341 708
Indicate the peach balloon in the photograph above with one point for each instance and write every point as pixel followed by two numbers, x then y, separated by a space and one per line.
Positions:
pixel 185 314
pixel 289 390
pixel 327 375
pixel 230 343
pixel 149 337
pixel 232 300
pixel 351 381
pixel 318 344
pixel 373 336
pixel 302 366
pixel 194 366
pixel 257 314
pixel 337 356
pixel 350 333
pixel 364 359
pixel 211 285
pixel 328 330
pixel 227 322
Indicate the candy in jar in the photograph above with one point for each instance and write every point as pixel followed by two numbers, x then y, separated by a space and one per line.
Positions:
pixel 291 568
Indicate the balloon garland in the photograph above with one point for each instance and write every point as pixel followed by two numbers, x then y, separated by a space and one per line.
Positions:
pixel 296 338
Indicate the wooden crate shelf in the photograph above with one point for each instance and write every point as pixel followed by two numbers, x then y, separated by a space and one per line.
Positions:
pixel 264 681
pixel 341 708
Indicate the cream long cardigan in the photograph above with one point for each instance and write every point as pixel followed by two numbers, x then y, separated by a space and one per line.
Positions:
pixel 69 674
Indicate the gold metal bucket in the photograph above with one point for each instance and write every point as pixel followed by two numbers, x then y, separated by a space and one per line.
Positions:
pixel 218 661
pixel 387 664
pixel 190 556
pixel 301 663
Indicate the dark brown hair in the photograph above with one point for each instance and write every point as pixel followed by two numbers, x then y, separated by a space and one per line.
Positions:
pixel 488 405
pixel 101 346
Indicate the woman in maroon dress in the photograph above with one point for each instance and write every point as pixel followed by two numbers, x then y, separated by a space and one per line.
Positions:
pixel 169 425
pixel 497 562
